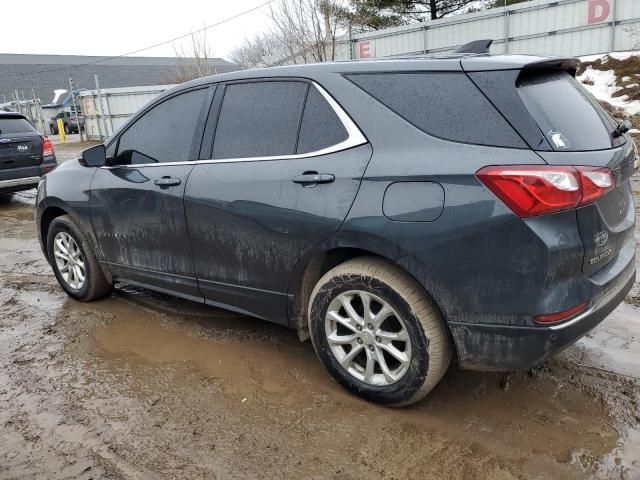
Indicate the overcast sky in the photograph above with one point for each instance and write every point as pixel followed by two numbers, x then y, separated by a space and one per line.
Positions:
pixel 113 27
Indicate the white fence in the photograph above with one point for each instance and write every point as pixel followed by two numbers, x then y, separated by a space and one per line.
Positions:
pixel 544 27
pixel 106 109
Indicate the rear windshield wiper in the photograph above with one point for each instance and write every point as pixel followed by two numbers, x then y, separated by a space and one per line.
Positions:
pixel 621 129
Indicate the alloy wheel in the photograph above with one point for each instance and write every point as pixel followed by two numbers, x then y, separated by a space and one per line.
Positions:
pixel 69 260
pixel 368 338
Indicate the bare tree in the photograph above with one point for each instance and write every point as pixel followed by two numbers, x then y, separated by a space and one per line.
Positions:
pixel 256 52
pixel 301 31
pixel 195 61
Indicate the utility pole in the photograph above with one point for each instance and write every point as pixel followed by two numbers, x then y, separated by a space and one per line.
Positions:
pixel 506 27
pixel 101 103
pixel 36 104
pixel 75 107
pixel 17 100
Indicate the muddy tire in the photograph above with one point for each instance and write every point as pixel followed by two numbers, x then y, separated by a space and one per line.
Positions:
pixel 73 261
pixel 377 333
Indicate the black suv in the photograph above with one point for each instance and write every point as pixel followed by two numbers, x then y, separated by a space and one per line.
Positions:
pixel 398 212
pixel 24 154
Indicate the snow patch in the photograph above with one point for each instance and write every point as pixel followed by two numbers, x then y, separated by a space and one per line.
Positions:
pixel 603 88
pixel 605 56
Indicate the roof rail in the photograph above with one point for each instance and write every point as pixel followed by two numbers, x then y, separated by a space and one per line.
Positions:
pixel 478 46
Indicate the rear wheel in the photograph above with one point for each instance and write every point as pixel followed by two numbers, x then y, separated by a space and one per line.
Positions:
pixel 377 333
pixel 74 262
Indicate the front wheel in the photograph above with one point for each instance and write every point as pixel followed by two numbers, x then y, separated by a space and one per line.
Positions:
pixel 74 262
pixel 377 333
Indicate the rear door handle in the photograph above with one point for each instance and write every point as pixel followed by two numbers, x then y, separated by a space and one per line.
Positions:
pixel 164 182
pixel 312 178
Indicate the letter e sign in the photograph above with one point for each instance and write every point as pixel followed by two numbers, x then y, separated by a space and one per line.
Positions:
pixel 364 49
pixel 598 10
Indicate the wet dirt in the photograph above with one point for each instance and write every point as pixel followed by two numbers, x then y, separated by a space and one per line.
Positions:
pixel 143 385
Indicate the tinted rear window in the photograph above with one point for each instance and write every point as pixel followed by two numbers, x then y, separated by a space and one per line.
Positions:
pixel 321 127
pixel 569 117
pixel 259 119
pixel 15 125
pixel 446 105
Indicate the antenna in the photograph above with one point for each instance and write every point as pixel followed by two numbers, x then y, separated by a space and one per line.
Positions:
pixel 478 46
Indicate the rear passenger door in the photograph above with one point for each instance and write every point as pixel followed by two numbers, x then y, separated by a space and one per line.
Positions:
pixel 280 168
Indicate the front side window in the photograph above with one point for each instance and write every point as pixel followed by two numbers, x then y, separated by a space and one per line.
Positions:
pixel 165 133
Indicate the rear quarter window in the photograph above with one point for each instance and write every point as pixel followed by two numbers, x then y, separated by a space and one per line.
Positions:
pixel 446 105
pixel 15 125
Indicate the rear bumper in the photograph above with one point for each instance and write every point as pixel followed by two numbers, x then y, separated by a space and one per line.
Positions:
pixel 24 178
pixel 18 184
pixel 510 348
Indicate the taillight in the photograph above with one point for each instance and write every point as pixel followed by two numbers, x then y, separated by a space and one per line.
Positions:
pixel 47 147
pixel 531 190
pixel 596 182
pixel 561 316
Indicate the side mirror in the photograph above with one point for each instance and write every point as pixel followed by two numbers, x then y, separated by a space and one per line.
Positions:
pixel 94 157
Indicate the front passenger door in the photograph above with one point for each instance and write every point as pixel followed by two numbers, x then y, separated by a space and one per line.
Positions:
pixel 137 202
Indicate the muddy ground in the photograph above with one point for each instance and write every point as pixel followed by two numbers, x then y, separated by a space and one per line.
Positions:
pixel 141 385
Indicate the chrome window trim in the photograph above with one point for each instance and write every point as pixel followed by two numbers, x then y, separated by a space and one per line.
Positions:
pixel 355 138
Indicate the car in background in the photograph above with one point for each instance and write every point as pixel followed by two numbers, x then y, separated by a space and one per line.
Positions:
pixel 70 122
pixel 25 155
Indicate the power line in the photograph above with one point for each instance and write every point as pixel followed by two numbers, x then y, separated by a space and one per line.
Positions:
pixel 206 27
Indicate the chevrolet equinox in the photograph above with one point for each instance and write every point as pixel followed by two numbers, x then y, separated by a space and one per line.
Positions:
pixel 397 212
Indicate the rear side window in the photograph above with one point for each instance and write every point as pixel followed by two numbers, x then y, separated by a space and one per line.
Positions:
pixel 15 125
pixel 569 117
pixel 321 127
pixel 446 105
pixel 165 133
pixel 259 119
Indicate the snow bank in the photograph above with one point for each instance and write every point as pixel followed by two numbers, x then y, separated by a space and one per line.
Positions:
pixel 617 55
pixel 604 82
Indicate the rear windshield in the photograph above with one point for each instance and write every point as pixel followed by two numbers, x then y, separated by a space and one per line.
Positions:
pixel 15 125
pixel 569 117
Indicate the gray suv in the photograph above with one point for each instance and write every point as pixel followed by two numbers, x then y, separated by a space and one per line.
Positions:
pixel 397 212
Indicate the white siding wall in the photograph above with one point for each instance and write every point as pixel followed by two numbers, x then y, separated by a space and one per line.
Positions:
pixel 119 104
pixel 542 27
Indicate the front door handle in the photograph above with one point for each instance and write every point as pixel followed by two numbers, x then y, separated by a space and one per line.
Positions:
pixel 165 182
pixel 313 178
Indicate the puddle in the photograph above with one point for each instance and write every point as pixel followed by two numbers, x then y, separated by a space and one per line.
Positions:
pixel 534 418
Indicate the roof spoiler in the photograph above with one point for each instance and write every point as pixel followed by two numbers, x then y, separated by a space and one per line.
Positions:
pixel 569 65
pixel 477 46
